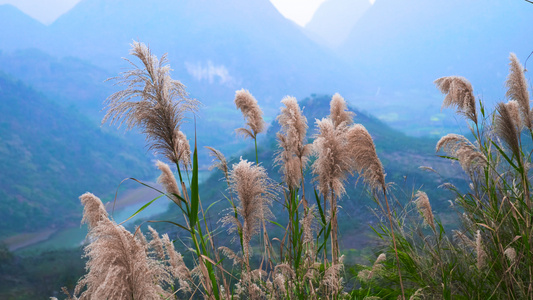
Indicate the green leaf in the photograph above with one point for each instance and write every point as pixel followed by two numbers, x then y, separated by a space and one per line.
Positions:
pixel 173 223
pixel 510 161
pixel 195 197
pixel 211 206
pixel 142 208
pixel 276 223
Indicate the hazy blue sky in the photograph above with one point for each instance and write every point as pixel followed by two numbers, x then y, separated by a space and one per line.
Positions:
pixel 46 11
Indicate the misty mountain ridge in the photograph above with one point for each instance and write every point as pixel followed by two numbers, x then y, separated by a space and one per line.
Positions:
pixel 409 44
pixel 334 20
pixel 389 59
pixel 221 46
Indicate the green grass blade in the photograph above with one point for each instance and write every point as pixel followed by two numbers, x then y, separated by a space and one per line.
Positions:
pixel 142 208
pixel 195 197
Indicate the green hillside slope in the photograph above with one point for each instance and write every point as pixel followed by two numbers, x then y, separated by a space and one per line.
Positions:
pixel 49 156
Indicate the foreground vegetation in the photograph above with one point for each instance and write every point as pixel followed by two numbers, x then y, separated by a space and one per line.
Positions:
pixel 489 257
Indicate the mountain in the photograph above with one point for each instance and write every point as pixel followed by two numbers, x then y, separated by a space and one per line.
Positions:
pixel 18 29
pixel 68 81
pixel 49 155
pixel 215 47
pixel 403 46
pixel 334 19
pixel 408 44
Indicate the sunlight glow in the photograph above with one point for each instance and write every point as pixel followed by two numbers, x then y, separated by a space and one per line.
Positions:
pixel 45 12
pixel 300 11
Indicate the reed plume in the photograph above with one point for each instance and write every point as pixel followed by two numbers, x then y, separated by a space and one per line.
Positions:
pixel 514 111
pixel 333 162
pixel 332 280
pixel 178 269
pixel 366 275
pixel 331 167
pixel 255 192
pixel 157 244
pixel 231 255
pixel 182 150
pixel 468 155
pixel 219 161
pixel 152 101
pixel 365 160
pixel 118 265
pixel 308 225
pixel 505 128
pixel 461 239
pixel 517 88
pixel 339 113
pixel 294 153
pixel 168 181
pixel 251 111
pixel 364 156
pixel 423 206
pixel 93 210
pixel 510 253
pixel 459 93
pixel 481 254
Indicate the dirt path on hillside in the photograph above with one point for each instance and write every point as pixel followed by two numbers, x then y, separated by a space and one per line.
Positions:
pixel 28 238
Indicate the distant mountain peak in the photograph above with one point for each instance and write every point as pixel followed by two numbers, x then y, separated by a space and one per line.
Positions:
pixel 334 19
pixel 18 29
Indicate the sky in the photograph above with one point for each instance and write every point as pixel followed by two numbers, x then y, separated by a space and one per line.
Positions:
pixel 46 11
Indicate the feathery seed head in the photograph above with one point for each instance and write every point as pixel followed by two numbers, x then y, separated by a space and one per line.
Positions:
pixel 423 206
pixel 292 120
pixel 93 210
pixel 152 101
pixel 255 192
pixel 506 129
pixel 168 181
pixel 251 111
pixel 511 254
pixel 470 158
pixel 219 161
pixel 481 254
pixel 377 267
pixel 118 266
pixel 333 161
pixel 294 152
pixel 178 268
pixel 365 159
pixel 231 255
pixel 459 93
pixel 182 149
pixel 339 113
pixel 381 258
pixel 157 244
pixel 517 88
pixel 308 225
pixel 364 275
pixel 461 239
pixel 514 111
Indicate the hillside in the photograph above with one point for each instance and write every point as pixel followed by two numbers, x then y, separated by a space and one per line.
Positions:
pixel 68 81
pixel 24 32
pixel 50 155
